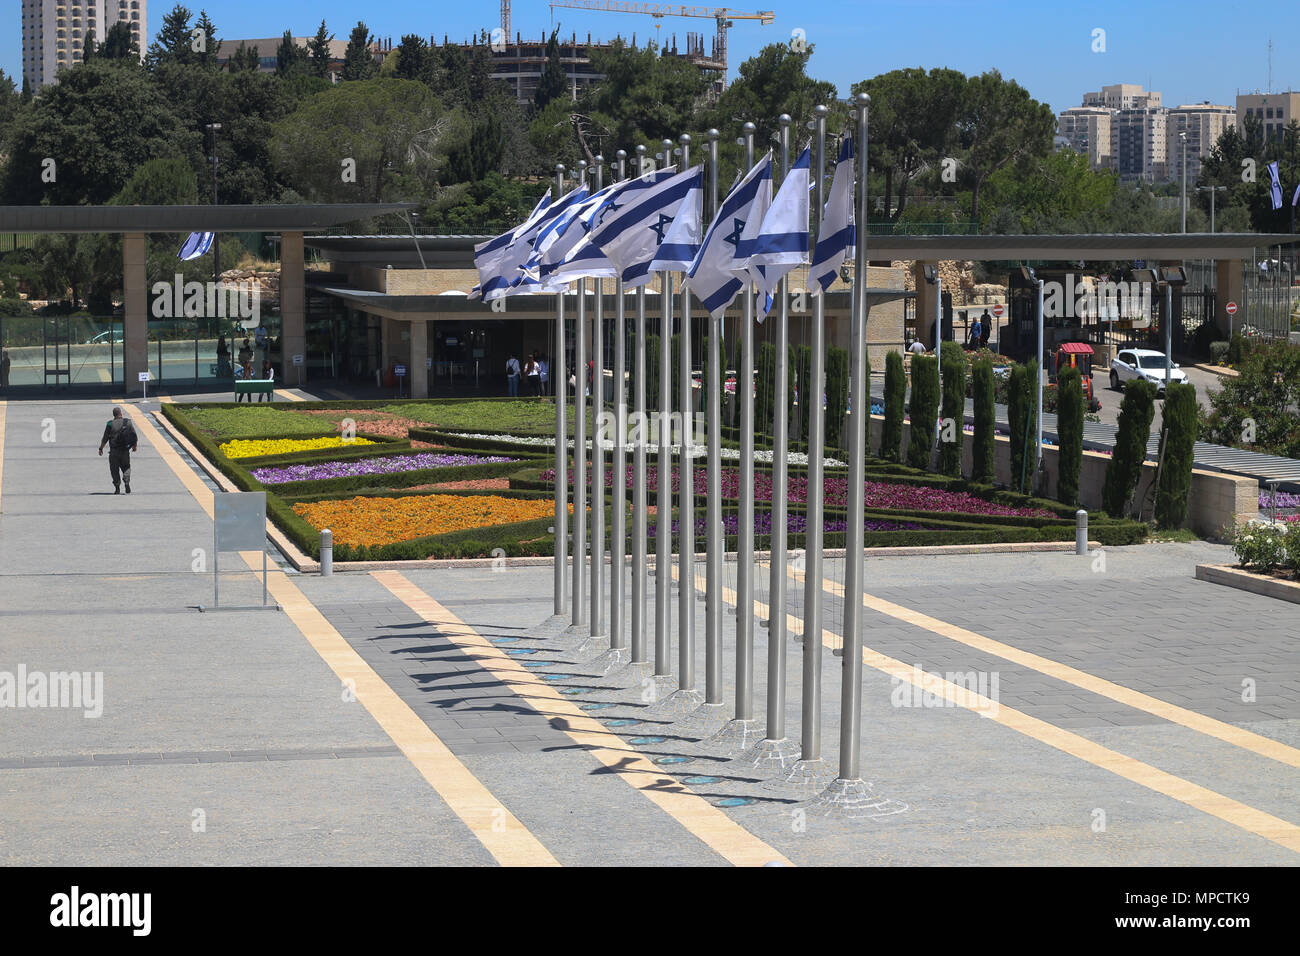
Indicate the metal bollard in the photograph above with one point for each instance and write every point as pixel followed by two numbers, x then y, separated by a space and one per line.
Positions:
pixel 1081 532
pixel 326 552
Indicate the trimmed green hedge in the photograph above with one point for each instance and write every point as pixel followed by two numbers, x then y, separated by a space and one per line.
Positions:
pixel 891 435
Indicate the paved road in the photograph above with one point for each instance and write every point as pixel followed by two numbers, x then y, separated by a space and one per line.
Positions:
pixel 435 717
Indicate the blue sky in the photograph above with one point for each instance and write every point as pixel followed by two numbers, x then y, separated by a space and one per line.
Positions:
pixel 1212 51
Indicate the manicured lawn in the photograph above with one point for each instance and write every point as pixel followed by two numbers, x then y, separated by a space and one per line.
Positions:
pixel 531 417
pixel 254 422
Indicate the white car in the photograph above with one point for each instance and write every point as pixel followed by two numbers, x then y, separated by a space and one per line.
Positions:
pixel 1145 364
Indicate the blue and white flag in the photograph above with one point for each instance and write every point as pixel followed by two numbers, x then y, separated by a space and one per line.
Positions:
pixel 488 255
pixel 572 255
pixel 636 224
pixel 1275 189
pixel 836 237
pixel 507 270
pixel 712 276
pixel 1296 198
pixel 682 239
pixel 196 245
pixel 782 239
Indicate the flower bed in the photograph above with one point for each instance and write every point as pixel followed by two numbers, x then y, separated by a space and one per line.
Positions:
pixel 258 448
pixel 365 522
pixel 795 524
pixel 391 464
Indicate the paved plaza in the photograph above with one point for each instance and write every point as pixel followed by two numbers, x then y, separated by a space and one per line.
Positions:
pixel 1101 710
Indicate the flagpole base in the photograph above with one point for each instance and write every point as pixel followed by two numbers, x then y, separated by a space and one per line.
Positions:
pixel 771 756
pixel 703 722
pixel 735 737
pixel 806 776
pixel 852 800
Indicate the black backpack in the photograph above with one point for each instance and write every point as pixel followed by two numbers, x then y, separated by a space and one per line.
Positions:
pixel 125 436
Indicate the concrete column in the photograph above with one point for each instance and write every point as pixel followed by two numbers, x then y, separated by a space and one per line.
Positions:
pixel 926 329
pixel 419 351
pixel 135 301
pixel 293 313
pixel 1231 288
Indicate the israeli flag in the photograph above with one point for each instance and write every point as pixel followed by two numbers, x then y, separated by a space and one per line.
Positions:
pixel 196 245
pixel 506 272
pixel 644 222
pixel 1296 198
pixel 686 232
pixel 1275 189
pixel 782 240
pixel 712 276
pixel 488 255
pixel 572 255
pixel 837 237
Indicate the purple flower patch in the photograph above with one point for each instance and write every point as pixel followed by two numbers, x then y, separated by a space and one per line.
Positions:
pixel 391 465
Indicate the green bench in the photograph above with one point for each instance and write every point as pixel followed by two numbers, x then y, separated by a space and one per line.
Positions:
pixel 255 386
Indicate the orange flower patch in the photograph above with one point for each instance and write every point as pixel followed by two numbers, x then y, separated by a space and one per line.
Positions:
pixel 378 521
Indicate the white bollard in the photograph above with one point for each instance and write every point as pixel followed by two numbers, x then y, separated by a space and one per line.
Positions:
pixel 326 552
pixel 1081 532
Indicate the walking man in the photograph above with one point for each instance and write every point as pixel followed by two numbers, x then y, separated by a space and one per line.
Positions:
pixel 119 435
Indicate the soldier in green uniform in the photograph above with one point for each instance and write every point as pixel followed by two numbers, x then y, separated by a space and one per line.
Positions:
pixel 119 435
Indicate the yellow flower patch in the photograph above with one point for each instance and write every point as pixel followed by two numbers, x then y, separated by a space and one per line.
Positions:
pixel 240 448
pixel 377 521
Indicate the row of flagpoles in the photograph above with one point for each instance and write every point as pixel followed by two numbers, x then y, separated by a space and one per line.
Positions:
pixel 656 222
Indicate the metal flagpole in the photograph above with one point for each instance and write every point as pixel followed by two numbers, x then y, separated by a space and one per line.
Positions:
pixel 639 579
pixel 597 449
pixel 580 447
pixel 744 731
pixel 811 771
pixel 618 551
pixel 849 793
pixel 664 482
pixel 560 384
pixel 716 540
pixel 775 752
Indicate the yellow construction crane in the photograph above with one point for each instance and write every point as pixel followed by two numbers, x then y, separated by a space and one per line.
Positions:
pixel 721 15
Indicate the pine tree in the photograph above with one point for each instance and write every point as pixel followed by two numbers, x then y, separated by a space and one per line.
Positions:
pixel 319 49
pixel 553 82
pixel 358 64
pixel 415 59
pixel 172 44
pixel 244 58
pixel 212 46
pixel 290 59
pixel 119 44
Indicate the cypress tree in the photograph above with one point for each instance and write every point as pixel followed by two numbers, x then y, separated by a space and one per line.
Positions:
pixel 891 435
pixel 837 395
pixel 1136 412
pixel 765 390
pixel 803 376
pixel 984 462
pixel 1069 433
pixel 1018 420
pixel 923 410
pixel 358 64
pixel 1178 432
pixel 553 83
pixel 954 409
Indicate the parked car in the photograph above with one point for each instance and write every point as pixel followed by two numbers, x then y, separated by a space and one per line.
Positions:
pixel 103 338
pixel 1146 364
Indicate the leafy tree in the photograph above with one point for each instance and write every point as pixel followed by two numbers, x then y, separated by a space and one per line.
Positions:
pixel 318 48
pixel 1058 192
pixel 1177 438
pixel 1069 430
pixel 998 124
pixel 553 83
pixel 94 157
pixel 479 154
pixel 395 131
pixel 10 101
pixel 491 204
pixel 1124 470
pixel 172 44
pixel 1256 409
pixel 415 59
pixel 358 63
pixel 984 462
pixel 954 409
pixel 290 59
pixel 119 45
pixel 923 410
pixel 891 434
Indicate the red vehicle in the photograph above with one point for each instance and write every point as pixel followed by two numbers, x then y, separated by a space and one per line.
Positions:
pixel 1076 355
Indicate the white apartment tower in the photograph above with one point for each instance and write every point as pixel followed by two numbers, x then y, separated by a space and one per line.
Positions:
pixel 1203 123
pixel 55 32
pixel 1087 129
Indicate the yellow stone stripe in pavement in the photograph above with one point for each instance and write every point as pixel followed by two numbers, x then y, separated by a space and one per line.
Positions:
pixel 706 822
pixel 500 832
pixel 1241 815
pixel 289 396
pixel 1237 736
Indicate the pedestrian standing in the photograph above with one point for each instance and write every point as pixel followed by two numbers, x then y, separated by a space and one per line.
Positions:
pixel 543 375
pixel 512 375
pixel 4 368
pixel 534 375
pixel 119 435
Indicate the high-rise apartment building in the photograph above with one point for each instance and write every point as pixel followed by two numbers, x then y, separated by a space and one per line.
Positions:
pixel 1087 130
pixel 1140 144
pixel 1273 111
pixel 1123 96
pixel 55 32
pixel 1203 123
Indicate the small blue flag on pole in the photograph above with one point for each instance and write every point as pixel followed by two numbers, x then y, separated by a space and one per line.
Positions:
pixel 1275 189
pixel 196 245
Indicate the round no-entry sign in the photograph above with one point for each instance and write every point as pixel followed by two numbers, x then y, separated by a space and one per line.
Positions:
pixel 997 311
pixel 1230 308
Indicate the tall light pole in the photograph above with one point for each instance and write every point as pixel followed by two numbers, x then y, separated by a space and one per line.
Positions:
pixel 1211 190
pixel 1030 275
pixel 216 240
pixel 597 449
pixel 579 614
pixel 932 277
pixel 1183 138
pixel 559 389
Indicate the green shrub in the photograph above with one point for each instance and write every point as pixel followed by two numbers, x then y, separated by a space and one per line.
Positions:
pixel 954 409
pixel 1238 349
pixel 765 388
pixel 1124 470
pixel 1069 434
pixel 891 435
pixel 1218 352
pixel 984 464
pixel 1256 408
pixel 1261 547
pixel 923 410
pixel 1020 420
pixel 837 394
pixel 1177 436
pixel 803 379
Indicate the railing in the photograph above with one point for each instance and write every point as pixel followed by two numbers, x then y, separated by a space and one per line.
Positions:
pixel 923 229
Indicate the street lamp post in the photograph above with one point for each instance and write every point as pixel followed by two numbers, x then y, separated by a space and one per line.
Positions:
pixel 932 277
pixel 1211 190
pixel 1029 274
pixel 1183 137
pixel 216 241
